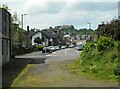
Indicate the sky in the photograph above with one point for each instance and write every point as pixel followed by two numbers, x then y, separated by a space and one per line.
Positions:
pixel 42 14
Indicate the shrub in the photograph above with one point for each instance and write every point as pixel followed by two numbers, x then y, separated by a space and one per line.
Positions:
pixel 101 59
pixel 40 47
pixel 117 70
pixel 105 43
pixel 117 45
pixel 88 47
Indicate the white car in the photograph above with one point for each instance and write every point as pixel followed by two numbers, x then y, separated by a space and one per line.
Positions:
pixel 71 46
pixel 79 47
pixel 57 47
pixel 52 48
pixel 46 49
pixel 63 47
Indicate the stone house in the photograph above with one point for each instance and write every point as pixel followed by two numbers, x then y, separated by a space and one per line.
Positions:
pixel 5 36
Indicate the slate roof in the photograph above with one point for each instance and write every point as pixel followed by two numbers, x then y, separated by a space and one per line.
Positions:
pixel 31 33
pixel 49 34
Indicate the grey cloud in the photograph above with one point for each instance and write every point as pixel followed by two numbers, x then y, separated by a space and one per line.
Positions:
pixel 95 6
pixel 95 12
pixel 78 21
pixel 49 8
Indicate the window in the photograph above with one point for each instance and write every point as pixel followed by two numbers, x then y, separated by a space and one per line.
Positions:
pixel 7 46
pixel 2 48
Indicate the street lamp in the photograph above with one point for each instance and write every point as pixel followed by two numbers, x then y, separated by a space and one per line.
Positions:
pixel 22 15
pixel 89 25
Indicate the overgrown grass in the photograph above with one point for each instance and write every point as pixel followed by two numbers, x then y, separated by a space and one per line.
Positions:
pixel 101 64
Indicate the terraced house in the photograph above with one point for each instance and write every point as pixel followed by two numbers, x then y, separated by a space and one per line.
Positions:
pixel 5 36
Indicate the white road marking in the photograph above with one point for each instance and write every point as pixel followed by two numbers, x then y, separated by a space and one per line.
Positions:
pixel 48 55
pixel 65 51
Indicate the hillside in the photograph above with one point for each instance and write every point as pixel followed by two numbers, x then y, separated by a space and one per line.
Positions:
pixel 69 29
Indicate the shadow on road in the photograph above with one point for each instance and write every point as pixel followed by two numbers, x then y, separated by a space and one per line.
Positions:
pixel 38 61
pixel 11 70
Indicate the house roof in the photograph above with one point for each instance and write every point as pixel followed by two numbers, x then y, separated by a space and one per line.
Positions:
pixel 5 10
pixel 49 34
pixel 45 33
pixel 33 33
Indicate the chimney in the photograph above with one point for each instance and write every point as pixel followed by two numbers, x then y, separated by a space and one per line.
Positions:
pixel 28 37
pixel 28 29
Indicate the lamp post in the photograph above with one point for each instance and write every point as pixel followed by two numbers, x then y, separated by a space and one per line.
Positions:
pixel 22 15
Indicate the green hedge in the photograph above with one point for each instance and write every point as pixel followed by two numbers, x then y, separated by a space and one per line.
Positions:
pixel 105 43
pixel 101 62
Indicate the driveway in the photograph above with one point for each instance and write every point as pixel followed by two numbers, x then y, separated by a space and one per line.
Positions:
pixel 49 70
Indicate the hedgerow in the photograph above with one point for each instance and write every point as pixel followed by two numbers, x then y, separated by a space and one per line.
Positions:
pixel 101 59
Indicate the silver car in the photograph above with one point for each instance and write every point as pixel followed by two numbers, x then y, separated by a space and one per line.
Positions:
pixel 52 48
pixel 79 47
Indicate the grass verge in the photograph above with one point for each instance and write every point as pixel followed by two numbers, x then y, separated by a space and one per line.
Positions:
pixel 25 70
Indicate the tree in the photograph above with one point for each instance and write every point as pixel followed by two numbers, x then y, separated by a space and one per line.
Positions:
pixel 50 28
pixel 17 32
pixel 15 18
pixel 110 29
pixel 38 40
pixel 5 6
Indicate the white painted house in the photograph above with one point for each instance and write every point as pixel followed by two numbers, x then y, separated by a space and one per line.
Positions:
pixel 35 35
pixel 5 36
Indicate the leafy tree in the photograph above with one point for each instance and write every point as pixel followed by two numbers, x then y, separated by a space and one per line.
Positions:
pixel 17 32
pixel 38 40
pixel 15 18
pixel 50 28
pixel 105 43
pixel 5 6
pixel 110 29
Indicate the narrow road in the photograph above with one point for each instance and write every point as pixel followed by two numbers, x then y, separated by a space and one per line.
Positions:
pixel 53 73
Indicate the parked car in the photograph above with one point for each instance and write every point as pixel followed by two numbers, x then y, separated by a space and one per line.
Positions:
pixel 57 47
pixel 63 47
pixel 71 46
pixel 52 48
pixel 46 49
pixel 66 46
pixel 79 47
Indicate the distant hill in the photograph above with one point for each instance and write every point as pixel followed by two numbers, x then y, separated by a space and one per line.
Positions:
pixel 69 29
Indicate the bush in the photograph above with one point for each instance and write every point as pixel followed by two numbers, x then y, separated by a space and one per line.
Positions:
pixel 117 45
pixel 40 47
pixel 105 43
pixel 88 51
pixel 101 60
pixel 88 47
pixel 117 70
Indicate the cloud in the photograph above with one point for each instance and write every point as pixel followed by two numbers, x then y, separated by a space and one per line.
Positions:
pixel 95 6
pixel 45 13
pixel 47 8
pixel 77 14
